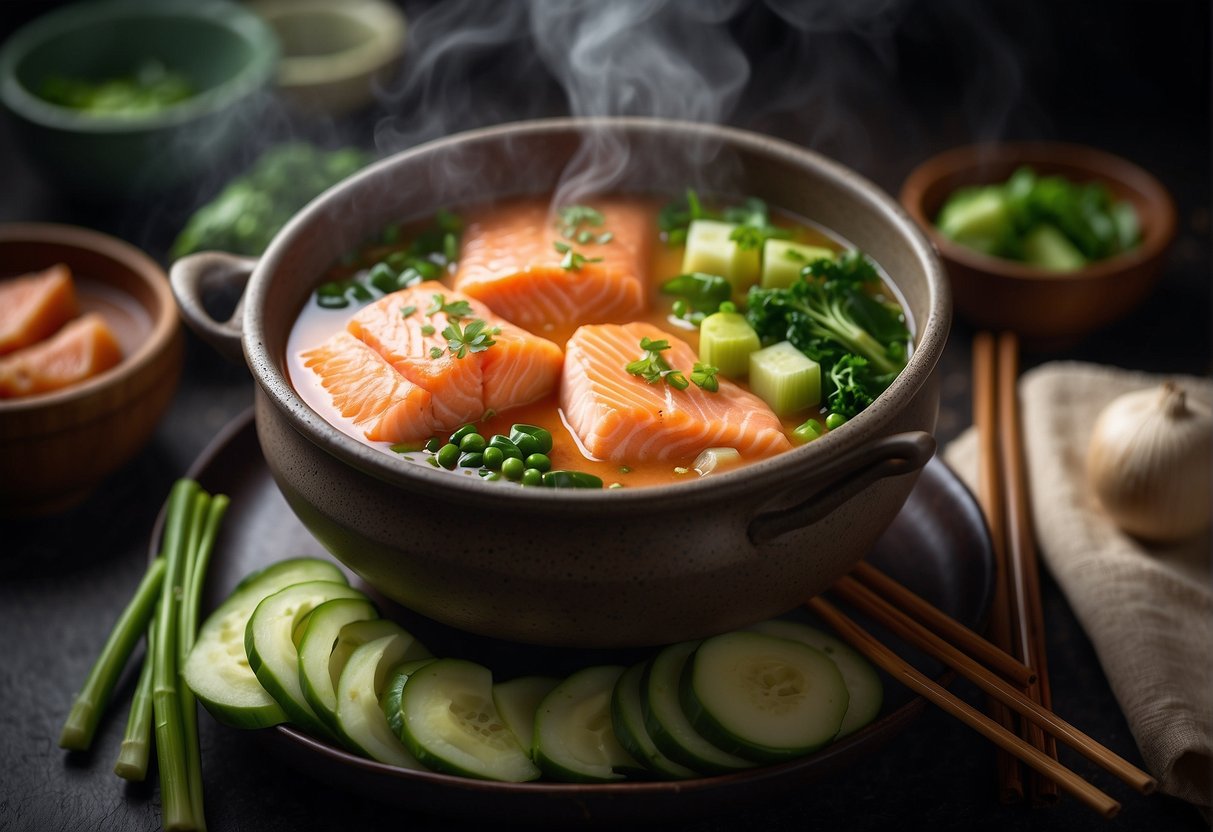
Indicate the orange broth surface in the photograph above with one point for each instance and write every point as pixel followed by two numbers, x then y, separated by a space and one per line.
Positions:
pixel 315 324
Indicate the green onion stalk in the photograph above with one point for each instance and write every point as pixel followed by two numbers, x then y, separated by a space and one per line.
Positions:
pixel 90 702
pixel 137 740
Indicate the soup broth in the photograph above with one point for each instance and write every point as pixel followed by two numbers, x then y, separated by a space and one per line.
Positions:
pixel 664 261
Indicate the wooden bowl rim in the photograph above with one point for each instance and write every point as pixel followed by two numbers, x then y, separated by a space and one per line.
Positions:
pixel 1154 202
pixel 163 312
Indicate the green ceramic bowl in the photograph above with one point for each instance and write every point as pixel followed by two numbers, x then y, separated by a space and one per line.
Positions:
pixel 225 54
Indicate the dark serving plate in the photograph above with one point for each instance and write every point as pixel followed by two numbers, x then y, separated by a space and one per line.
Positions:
pixel 938 546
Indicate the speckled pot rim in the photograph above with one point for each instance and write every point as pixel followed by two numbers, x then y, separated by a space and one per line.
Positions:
pixel 768 476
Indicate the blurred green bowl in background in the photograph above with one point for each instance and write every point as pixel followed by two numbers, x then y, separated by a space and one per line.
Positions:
pixel 225 55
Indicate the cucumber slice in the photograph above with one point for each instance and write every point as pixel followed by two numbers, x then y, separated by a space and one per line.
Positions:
pixel 782 261
pixel 393 688
pixel 627 718
pixel 977 216
pixel 1045 246
pixel 272 653
pixel 785 378
pixel 668 725
pixel 762 697
pixel 726 340
pixel 864 689
pixel 710 250
pixel 574 738
pixel 316 642
pixel 448 721
pixel 217 669
pixel 364 727
pixel 517 701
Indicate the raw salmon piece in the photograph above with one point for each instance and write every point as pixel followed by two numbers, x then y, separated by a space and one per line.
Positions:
pixel 518 369
pixel 34 306
pixel 509 262
pixel 84 348
pixel 622 418
pixel 369 392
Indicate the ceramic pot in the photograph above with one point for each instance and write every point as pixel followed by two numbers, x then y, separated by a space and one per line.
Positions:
pixel 571 567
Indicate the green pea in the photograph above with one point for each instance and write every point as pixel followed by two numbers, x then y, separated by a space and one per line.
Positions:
pixel 727 306
pixel 807 432
pixel 513 468
pixel 433 444
pixel 532 476
pixel 539 461
pixel 472 460
pixel 472 443
pixel 457 436
pixel 490 476
pixel 835 420
pixel 493 457
pixel 448 456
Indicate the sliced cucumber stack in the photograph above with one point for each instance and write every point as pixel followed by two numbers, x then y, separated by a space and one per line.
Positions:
pixel 574 738
pixel 448 721
pixel 668 725
pixel 865 691
pixel 762 697
pixel 517 701
pixel 360 716
pixel 319 635
pixel 269 643
pixel 217 669
pixel 627 718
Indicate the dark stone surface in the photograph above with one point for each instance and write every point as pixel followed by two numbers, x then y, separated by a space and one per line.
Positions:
pixel 1129 76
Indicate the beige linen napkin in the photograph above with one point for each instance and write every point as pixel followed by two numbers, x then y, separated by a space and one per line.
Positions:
pixel 1147 609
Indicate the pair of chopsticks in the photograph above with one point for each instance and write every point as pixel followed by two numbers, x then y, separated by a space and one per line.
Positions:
pixel 1016 617
pixel 927 628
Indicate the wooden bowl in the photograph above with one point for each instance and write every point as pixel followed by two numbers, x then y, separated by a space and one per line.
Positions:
pixel 56 447
pixel 1044 308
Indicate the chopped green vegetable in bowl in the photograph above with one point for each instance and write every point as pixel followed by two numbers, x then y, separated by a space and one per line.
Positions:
pixel 247 214
pixel 151 87
pixel 1046 221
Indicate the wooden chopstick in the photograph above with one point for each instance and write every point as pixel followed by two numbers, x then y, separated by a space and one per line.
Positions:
pixel 944 625
pixel 990 682
pixel 1021 549
pixel 1004 739
pixel 989 496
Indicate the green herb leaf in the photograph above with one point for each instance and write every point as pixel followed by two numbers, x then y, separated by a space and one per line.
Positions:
pixel 575 221
pixel 436 352
pixel 455 310
pixel 476 337
pixel 702 291
pixel 407 311
pixel 573 260
pixel 704 376
pixel 427 329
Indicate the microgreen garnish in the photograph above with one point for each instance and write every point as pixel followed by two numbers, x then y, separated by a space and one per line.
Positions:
pixel 475 337
pixel 573 260
pixel 407 312
pixel 576 221
pixel 427 329
pixel 454 310
pixel 704 376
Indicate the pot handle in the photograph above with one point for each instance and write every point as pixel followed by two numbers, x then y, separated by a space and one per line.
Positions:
pixel 209 274
pixel 889 456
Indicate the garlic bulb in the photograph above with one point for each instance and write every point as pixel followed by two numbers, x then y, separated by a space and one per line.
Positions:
pixel 1149 462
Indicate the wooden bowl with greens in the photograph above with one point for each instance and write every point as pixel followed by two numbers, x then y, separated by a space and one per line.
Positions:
pixel 1050 240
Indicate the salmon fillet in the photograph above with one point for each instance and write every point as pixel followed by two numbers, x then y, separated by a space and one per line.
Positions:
pixel 80 350
pixel 34 306
pixel 365 389
pixel 622 418
pixel 392 349
pixel 509 262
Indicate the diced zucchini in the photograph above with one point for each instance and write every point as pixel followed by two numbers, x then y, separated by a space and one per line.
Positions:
pixel 726 341
pixel 782 261
pixel 1045 246
pixel 762 697
pixel 716 460
pixel 863 682
pixel 807 432
pixel 574 738
pixel 785 378
pixel 516 702
pixel 710 250
pixel 980 215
